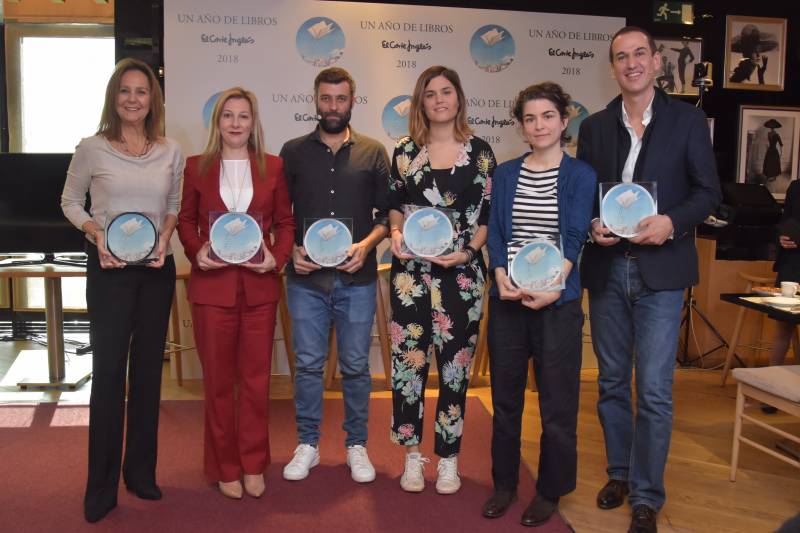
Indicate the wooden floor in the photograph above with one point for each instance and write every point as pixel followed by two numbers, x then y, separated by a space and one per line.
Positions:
pixel 699 495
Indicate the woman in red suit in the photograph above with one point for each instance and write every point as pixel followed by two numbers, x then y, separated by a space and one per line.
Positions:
pixel 233 306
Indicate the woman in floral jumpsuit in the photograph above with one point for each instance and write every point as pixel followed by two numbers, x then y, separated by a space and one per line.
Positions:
pixel 436 302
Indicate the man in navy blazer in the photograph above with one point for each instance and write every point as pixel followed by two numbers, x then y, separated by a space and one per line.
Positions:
pixel 636 285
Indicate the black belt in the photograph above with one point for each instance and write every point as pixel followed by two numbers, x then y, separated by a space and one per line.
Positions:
pixel 627 250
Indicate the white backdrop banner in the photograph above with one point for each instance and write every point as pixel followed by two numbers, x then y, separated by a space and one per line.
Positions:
pixel 276 48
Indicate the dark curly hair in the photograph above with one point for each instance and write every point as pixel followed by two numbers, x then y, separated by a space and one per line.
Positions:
pixel 546 90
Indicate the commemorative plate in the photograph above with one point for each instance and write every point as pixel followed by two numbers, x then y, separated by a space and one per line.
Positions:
pixel 537 266
pixel 327 242
pixel 131 237
pixel 428 232
pixel 624 205
pixel 235 237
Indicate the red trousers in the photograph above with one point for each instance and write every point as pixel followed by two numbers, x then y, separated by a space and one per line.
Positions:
pixel 235 349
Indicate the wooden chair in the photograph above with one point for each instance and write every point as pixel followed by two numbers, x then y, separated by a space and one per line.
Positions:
pixel 174 346
pixel 778 386
pixel 286 325
pixel 382 325
pixel 750 281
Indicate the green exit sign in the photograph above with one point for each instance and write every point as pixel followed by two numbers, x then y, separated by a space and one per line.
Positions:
pixel 673 12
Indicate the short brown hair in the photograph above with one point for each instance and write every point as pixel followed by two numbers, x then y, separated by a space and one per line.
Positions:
pixel 334 75
pixel 110 125
pixel 631 29
pixel 544 91
pixel 418 123
pixel 255 143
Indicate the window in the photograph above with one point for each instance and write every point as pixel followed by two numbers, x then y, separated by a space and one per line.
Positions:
pixel 57 78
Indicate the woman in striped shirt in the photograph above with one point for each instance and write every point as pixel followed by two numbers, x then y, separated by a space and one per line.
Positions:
pixel 544 194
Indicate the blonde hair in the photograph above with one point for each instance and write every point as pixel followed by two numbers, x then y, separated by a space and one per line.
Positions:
pixel 418 123
pixel 110 125
pixel 255 142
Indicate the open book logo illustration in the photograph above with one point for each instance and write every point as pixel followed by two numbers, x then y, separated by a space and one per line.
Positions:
pixel 428 222
pixel 628 198
pixel 235 226
pixel 492 48
pixel 402 108
pixel 492 37
pixel 131 226
pixel 321 29
pixel 535 255
pixel 328 232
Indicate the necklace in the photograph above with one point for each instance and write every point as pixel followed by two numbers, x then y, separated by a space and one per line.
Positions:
pixel 228 182
pixel 130 152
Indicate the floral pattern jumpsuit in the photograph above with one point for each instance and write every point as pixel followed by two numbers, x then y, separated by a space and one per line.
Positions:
pixel 436 311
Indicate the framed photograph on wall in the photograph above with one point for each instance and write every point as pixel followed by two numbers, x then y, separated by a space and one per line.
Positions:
pixel 768 146
pixel 678 57
pixel 755 53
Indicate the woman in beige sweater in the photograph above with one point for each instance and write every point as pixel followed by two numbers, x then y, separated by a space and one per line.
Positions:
pixel 126 167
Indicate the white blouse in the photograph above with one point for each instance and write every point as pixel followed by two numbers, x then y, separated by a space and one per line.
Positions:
pixel 236 184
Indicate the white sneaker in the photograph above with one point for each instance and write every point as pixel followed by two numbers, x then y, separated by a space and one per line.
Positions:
pixel 412 479
pixel 448 481
pixel 305 458
pixel 361 470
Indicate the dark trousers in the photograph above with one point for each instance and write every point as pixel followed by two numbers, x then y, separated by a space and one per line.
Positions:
pixel 553 337
pixel 129 314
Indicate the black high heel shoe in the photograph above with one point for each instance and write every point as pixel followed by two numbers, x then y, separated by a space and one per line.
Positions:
pixel 94 512
pixel 145 492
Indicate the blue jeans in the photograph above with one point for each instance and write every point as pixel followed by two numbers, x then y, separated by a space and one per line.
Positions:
pixel 351 309
pixel 636 327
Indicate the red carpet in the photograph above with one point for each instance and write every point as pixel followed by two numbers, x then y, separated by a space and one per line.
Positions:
pixel 43 451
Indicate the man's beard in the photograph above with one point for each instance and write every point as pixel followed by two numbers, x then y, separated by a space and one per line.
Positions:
pixel 333 126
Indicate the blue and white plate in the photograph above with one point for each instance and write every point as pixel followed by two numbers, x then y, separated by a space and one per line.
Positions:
pixel 624 206
pixel 428 232
pixel 327 242
pixel 235 237
pixel 131 237
pixel 538 267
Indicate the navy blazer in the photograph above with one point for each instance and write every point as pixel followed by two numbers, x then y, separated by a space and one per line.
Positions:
pixel 678 156
pixel 787 264
pixel 575 188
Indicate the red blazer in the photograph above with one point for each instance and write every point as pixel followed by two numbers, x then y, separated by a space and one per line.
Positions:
pixel 270 198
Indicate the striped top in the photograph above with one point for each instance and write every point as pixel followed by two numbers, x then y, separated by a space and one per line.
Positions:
pixel 535 211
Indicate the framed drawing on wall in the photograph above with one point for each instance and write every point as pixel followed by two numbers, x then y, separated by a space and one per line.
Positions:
pixel 768 146
pixel 755 53
pixel 677 59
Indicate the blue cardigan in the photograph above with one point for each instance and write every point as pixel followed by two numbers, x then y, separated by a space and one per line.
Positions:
pixel 576 193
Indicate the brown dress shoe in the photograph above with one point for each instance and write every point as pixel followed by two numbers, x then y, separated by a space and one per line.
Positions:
pixel 643 520
pixel 498 504
pixel 539 511
pixel 613 494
